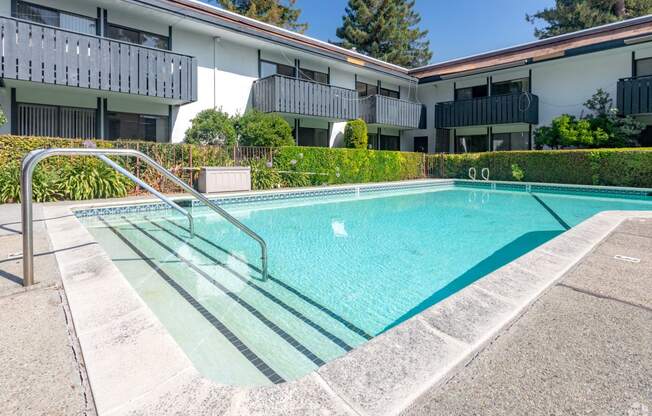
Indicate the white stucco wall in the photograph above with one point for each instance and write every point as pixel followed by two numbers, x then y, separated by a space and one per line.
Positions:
pixel 225 74
pixel 565 84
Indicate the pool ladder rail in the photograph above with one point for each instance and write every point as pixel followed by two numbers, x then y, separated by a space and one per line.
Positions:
pixel 473 173
pixel 33 158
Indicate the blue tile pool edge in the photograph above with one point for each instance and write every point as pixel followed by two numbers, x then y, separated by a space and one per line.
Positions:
pixel 262 196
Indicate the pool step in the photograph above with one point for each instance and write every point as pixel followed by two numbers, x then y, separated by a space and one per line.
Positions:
pixel 266 322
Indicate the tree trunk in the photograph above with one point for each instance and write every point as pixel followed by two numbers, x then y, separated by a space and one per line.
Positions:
pixel 619 8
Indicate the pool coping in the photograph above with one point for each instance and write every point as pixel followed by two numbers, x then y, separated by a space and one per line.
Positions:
pixel 134 364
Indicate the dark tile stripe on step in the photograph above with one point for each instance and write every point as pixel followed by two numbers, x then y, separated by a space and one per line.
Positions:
pixel 271 325
pixel 332 337
pixel 352 327
pixel 223 329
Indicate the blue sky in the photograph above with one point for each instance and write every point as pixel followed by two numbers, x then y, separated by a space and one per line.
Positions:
pixel 457 28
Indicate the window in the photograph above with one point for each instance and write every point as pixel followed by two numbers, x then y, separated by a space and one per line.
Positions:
pixel 365 90
pixel 311 75
pixel 390 142
pixel 644 67
pixel 272 68
pixel 471 143
pixel 55 121
pixel 309 136
pixel 138 37
pixel 383 142
pixel 372 140
pixel 511 141
pixel 469 93
pixel 442 140
pixel 390 93
pixel 137 126
pixel 53 17
pixel 510 87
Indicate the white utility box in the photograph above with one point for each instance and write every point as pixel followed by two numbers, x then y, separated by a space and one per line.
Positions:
pixel 227 179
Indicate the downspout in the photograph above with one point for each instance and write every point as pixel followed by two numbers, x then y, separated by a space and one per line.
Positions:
pixel 216 40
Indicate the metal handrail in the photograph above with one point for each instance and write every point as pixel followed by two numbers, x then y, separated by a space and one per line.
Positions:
pixel 27 170
pixel 151 190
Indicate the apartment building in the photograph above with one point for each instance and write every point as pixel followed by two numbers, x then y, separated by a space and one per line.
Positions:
pixel 143 68
pixel 494 100
pixel 127 69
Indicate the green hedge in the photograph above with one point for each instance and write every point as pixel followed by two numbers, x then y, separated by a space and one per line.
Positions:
pixel 612 167
pixel 290 167
pixel 339 166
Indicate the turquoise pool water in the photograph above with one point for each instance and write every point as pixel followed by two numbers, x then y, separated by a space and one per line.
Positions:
pixel 342 268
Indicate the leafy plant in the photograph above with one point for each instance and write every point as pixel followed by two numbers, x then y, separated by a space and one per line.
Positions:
pixel 264 176
pixel 602 127
pixel 45 185
pixel 90 178
pixel 211 126
pixel 355 134
pixel 517 172
pixel 261 129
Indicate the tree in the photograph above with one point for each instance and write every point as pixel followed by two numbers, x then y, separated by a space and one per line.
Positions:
pixel 573 15
pixel 355 134
pixel 275 12
pixel 211 127
pixel 262 129
pixel 386 30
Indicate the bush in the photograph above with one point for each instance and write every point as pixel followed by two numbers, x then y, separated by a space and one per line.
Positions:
pixel 602 128
pixel 264 176
pixel 355 134
pixel 613 167
pixel 517 172
pixel 46 186
pixel 261 129
pixel 211 127
pixel 90 178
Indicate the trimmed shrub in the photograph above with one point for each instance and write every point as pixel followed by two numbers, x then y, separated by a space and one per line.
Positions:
pixel 355 134
pixel 262 129
pixel 211 127
pixel 325 165
pixel 614 167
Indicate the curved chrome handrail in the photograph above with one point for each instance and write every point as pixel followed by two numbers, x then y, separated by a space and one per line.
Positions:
pixel 27 170
pixel 151 190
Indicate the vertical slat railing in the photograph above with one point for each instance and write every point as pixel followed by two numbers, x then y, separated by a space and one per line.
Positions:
pixel 45 54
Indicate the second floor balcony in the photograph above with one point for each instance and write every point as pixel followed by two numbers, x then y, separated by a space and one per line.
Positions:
pixel 50 55
pixel 496 109
pixel 283 94
pixel 635 95
pixel 379 109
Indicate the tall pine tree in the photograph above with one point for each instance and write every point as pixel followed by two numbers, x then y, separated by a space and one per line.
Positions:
pixel 275 12
pixel 572 15
pixel 385 29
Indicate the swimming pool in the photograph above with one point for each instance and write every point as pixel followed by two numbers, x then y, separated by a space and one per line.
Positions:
pixel 344 266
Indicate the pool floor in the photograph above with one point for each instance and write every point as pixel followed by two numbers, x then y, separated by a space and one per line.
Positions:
pixel 342 268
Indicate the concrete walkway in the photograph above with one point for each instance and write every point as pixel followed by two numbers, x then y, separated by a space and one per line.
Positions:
pixel 41 367
pixel 585 347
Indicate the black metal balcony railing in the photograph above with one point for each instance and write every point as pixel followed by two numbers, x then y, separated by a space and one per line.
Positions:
pixel 49 55
pixel 379 109
pixel 635 95
pixel 283 94
pixel 497 109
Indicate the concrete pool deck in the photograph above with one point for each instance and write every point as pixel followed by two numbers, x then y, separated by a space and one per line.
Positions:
pixel 423 354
